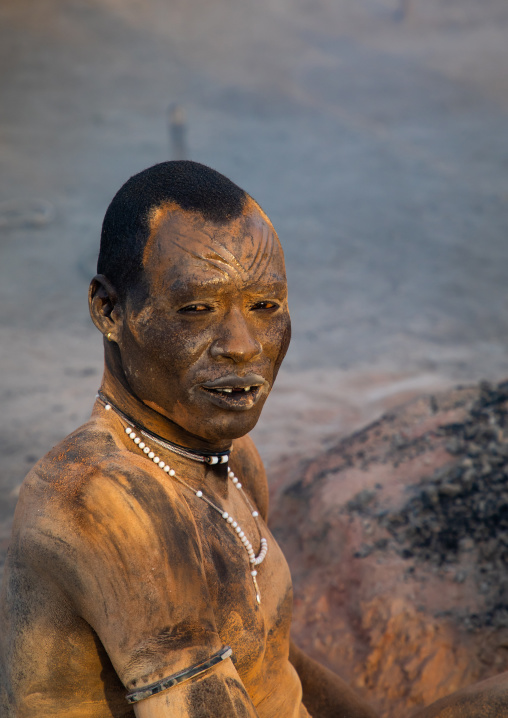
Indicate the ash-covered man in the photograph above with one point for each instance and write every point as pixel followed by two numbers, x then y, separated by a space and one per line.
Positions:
pixel 142 578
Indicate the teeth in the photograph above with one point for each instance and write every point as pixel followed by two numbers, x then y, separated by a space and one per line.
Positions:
pixel 230 391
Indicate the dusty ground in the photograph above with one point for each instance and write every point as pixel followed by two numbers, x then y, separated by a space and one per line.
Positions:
pixel 373 132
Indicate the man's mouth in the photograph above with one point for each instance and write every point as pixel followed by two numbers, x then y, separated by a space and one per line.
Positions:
pixel 232 392
pixel 232 389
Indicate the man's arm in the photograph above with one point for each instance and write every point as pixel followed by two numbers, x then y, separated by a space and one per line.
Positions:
pixel 325 695
pixel 217 694
pixel 488 699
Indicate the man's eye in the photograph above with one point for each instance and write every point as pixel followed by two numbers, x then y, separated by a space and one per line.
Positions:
pixel 265 305
pixel 194 309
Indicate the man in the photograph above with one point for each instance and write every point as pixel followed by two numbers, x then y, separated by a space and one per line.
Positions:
pixel 142 578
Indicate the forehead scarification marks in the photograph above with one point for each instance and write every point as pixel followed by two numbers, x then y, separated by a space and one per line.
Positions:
pixel 219 256
pixel 264 253
pixel 255 246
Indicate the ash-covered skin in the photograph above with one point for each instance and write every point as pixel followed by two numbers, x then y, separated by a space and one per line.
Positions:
pixel 126 587
pixel 214 308
pixel 118 575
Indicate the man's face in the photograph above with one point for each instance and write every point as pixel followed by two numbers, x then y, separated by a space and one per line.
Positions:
pixel 205 347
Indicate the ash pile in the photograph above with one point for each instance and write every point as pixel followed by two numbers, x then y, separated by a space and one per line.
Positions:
pixel 462 509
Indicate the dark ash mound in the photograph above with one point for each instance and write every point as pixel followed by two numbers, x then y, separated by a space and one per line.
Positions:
pixel 455 520
pixel 464 505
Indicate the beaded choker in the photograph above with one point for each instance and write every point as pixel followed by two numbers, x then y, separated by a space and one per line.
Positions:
pixel 202 457
pixel 254 560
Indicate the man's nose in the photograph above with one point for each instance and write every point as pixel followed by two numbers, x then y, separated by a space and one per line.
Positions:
pixel 236 340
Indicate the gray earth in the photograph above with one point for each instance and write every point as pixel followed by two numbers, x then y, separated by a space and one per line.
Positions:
pixel 375 135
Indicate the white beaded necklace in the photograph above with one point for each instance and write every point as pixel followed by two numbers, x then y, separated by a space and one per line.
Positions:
pixel 253 559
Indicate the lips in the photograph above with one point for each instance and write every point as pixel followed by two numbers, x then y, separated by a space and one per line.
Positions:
pixel 234 392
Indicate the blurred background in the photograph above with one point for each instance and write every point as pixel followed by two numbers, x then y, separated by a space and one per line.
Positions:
pixel 373 132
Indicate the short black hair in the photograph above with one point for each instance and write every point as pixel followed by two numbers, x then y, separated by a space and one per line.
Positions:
pixel 192 186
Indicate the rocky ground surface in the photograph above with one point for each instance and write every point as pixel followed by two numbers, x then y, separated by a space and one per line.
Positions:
pixel 397 538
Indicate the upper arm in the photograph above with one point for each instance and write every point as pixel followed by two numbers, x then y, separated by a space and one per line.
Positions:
pixel 128 556
pixel 219 693
pixel 246 463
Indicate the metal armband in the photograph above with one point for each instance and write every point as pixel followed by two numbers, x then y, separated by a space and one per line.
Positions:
pixel 165 683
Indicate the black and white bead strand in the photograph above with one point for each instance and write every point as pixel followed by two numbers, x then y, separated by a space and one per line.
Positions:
pixel 264 543
pixel 253 559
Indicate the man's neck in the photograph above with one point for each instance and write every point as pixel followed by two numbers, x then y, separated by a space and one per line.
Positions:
pixel 114 387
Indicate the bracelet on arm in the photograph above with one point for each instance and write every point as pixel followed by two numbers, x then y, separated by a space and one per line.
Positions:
pixel 165 683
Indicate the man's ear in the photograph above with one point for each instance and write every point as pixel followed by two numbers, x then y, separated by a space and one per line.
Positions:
pixel 104 307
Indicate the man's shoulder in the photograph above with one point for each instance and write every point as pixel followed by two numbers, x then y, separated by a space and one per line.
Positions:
pixel 84 493
pixel 86 452
pixel 86 468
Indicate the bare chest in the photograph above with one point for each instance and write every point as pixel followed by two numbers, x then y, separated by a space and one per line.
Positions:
pixel 255 629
